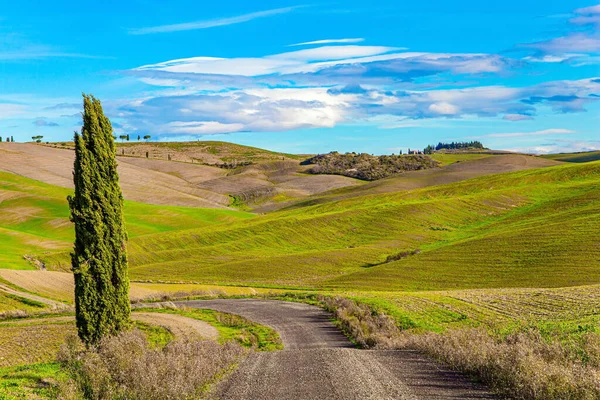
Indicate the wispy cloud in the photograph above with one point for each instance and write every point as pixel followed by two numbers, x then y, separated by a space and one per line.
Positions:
pixel 584 38
pixel 559 146
pixel 544 132
pixel 64 106
pixel 350 62
pixel 517 117
pixel 212 23
pixel 43 122
pixel 328 41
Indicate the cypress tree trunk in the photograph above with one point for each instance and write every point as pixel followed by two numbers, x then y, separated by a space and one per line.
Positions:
pixel 99 259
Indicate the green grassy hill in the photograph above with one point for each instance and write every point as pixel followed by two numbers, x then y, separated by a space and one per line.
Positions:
pixel 34 220
pixel 582 157
pixel 536 228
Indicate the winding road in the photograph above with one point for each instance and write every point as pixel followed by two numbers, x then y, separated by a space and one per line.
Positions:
pixel 318 362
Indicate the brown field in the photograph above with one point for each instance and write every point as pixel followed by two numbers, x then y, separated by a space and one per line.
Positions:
pixel 59 286
pixel 141 184
pixel 180 182
pixel 50 284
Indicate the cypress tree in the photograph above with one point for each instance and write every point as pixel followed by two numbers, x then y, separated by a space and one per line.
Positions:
pixel 99 259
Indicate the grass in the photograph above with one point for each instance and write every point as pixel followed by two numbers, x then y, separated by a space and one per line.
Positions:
pixel 157 336
pixel 451 158
pixel 525 229
pixel 581 157
pixel 33 340
pixel 227 152
pixel 33 381
pixel 10 302
pixel 503 254
pixel 34 220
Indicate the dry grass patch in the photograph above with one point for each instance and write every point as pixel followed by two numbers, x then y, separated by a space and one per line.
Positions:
pixel 34 342
pixel 126 367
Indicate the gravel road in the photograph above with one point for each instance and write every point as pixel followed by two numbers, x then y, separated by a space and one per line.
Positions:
pixel 318 362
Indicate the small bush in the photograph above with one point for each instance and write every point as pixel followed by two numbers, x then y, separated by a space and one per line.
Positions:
pixel 126 367
pixel 401 255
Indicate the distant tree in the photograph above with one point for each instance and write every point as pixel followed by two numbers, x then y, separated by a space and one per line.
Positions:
pixel 460 145
pixel 147 137
pixel 37 139
pixel 138 138
pixel 122 137
pixel 12 139
pixel 7 139
pixel 99 259
pixel 400 152
pixel 429 149
pixel 127 137
pixel 0 139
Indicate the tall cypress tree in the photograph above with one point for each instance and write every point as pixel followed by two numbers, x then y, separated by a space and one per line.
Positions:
pixel 99 259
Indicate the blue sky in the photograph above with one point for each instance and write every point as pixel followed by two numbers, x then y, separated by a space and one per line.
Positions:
pixel 308 77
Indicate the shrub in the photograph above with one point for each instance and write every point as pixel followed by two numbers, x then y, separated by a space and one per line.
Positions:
pixel 126 367
pixel 365 166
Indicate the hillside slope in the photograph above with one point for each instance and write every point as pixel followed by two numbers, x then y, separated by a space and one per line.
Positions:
pixel 535 228
pixel 156 180
pixel 456 168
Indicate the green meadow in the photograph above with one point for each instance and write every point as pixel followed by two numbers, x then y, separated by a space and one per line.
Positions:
pixel 472 249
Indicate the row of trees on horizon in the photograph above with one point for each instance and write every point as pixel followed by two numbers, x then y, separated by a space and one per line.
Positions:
pixel 475 144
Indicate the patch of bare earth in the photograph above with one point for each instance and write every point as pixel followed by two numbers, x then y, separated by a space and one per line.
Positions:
pixel 139 183
pixel 183 181
pixel 51 284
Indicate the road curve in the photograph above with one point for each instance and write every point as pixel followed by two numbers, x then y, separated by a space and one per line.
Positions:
pixel 318 362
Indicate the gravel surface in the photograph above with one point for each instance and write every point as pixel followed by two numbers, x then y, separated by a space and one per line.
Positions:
pixel 318 362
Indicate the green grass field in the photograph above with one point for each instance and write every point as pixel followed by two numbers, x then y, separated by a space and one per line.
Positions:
pixel 535 228
pixel 34 220
pixel 504 252
pixel 575 157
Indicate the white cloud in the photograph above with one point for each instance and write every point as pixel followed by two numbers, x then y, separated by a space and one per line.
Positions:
pixel 559 146
pixel 328 41
pixel 588 10
pixel 544 132
pixel 444 108
pixel 587 16
pixel 517 117
pixel 204 24
pixel 201 128
pixel 333 53
pixel 573 42
pixel 326 59
pixel 586 41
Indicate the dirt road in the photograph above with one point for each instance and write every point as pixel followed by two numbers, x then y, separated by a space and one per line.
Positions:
pixel 318 362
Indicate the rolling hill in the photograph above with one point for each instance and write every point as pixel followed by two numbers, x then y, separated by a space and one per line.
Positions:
pixel 532 228
pixel 259 176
